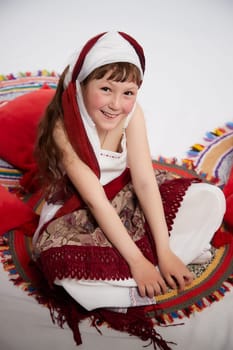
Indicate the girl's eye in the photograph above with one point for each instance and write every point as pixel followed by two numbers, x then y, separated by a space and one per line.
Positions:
pixel 129 93
pixel 105 88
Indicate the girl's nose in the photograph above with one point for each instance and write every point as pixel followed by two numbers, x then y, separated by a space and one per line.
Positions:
pixel 115 102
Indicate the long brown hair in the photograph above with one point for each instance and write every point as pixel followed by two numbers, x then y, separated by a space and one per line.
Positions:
pixel 47 154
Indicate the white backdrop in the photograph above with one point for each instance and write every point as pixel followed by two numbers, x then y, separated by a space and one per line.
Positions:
pixel 188 86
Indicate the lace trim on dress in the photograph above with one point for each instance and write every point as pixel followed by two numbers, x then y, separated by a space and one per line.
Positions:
pixel 89 263
pixel 73 246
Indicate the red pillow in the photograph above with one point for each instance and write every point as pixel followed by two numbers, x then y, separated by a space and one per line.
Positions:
pixel 18 124
pixel 13 212
pixel 228 191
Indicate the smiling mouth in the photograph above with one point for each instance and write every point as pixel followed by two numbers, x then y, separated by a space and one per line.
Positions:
pixel 109 115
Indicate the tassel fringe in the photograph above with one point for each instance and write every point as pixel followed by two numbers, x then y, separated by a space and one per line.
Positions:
pixel 38 73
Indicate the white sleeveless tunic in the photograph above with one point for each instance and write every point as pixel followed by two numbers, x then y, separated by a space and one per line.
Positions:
pixel 112 164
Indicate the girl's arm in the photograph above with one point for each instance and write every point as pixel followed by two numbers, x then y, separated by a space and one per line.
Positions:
pixel 146 276
pixel 146 188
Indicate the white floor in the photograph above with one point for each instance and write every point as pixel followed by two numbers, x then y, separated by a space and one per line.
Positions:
pixel 188 84
pixel 26 325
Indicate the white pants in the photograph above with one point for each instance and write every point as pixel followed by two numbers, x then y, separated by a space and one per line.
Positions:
pixel 199 216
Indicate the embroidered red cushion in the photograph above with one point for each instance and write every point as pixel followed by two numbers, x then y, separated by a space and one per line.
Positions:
pixel 13 211
pixel 228 191
pixel 19 119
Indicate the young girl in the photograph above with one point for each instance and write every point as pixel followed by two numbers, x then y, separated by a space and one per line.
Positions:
pixel 104 228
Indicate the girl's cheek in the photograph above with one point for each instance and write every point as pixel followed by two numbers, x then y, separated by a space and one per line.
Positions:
pixel 98 100
pixel 129 106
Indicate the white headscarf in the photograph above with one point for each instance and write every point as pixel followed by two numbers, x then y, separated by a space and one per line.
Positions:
pixel 110 48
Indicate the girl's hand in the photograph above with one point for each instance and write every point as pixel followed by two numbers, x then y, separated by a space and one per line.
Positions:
pixel 175 273
pixel 148 278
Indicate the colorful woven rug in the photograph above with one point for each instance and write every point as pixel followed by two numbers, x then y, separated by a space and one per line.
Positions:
pixel 14 85
pixel 213 157
pixel 213 280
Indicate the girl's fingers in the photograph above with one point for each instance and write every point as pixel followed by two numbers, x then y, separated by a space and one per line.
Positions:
pixel 188 279
pixel 142 290
pixel 179 281
pixel 163 286
pixel 171 282
pixel 152 290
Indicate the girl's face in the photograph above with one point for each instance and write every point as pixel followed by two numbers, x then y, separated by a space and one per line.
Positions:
pixel 108 102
